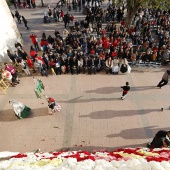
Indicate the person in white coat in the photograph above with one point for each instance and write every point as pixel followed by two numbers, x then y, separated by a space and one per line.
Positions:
pixel 20 110
pixel 24 67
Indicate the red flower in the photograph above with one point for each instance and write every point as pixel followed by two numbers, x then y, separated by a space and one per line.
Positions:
pixel 19 156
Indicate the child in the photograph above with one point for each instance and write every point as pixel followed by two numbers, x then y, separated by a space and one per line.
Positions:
pixel 53 105
pixel 125 90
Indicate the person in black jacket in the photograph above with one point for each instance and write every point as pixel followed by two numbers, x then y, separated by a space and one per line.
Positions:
pixel 93 65
pixel 25 22
pixel 86 65
pixel 158 138
pixel 125 90
pixel 11 56
pixel 74 65
pixel 160 142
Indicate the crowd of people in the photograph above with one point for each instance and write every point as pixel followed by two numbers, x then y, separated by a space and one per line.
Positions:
pixel 97 42
pixel 146 41
pixel 24 3
pixel 90 47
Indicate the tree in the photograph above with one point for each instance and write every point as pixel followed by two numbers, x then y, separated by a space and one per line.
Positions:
pixel 134 5
pixel 9 2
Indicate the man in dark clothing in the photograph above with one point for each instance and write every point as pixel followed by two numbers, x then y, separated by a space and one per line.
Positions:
pixel 125 90
pixel 160 142
pixel 74 65
pixel 25 22
pixel 86 65
pixel 92 65
pixel 11 56
pixel 158 138
pixel 164 80
pixel 17 44
pixel 17 15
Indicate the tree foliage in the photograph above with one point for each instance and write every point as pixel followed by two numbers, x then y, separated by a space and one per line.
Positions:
pixel 9 2
pixel 134 5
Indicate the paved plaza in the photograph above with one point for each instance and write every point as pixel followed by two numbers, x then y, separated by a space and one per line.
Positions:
pixel 93 116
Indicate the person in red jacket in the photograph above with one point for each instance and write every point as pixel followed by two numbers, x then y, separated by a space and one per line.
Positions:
pixel 115 43
pixel 32 52
pixel 105 44
pixel 31 64
pixel 53 105
pixel 34 40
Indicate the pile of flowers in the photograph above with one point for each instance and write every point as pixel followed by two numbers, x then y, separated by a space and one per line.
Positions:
pixel 120 159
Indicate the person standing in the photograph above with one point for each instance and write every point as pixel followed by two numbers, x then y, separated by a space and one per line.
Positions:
pixel 11 56
pixel 28 3
pixel 35 41
pixel 17 15
pixel 25 22
pixel 164 80
pixel 24 67
pixel 33 3
pixel 40 66
pixel 125 90
pixel 15 3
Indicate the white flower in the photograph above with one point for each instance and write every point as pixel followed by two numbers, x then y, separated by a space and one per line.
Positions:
pixel 165 165
pixel 156 165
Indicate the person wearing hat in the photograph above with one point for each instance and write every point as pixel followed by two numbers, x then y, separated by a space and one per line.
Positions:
pixel 125 90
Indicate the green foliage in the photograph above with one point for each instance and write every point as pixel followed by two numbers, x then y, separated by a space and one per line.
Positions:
pixel 9 2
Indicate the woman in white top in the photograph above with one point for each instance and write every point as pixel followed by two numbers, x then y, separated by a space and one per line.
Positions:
pixel 24 67
pixel 20 110
pixel 115 68
pixel 80 64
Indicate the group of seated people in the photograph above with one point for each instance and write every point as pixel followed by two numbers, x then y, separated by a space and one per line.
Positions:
pixel 134 44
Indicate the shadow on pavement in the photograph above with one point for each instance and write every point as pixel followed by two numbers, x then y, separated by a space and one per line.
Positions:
pixel 110 90
pixel 9 115
pixel 108 114
pixel 78 100
pixel 100 148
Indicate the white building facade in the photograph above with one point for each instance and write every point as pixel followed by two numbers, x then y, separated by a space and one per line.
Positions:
pixel 9 33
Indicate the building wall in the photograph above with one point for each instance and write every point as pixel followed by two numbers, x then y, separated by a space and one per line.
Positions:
pixel 9 33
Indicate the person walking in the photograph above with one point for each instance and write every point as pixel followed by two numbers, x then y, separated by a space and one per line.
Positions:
pixel 164 80
pixel 53 105
pixel 17 15
pixel 25 22
pixel 125 90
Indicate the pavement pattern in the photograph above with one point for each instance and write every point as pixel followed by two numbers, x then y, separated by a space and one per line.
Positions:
pixel 93 116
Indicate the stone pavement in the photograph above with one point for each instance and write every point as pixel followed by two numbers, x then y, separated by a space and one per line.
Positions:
pixel 92 116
